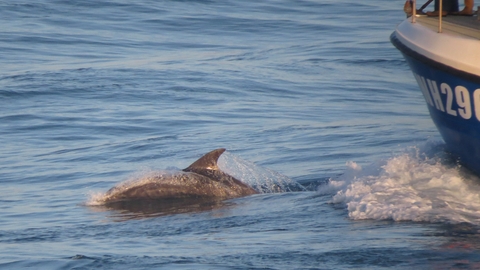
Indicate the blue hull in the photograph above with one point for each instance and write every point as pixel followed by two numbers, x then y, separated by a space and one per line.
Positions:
pixel 453 100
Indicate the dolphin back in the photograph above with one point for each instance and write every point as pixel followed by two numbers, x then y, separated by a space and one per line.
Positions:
pixel 202 179
pixel 207 166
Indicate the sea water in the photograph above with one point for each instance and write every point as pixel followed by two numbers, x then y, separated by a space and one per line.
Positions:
pixel 316 108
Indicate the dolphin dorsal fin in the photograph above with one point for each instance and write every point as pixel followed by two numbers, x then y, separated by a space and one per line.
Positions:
pixel 207 162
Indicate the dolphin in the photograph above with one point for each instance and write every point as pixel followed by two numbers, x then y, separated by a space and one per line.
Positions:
pixel 201 180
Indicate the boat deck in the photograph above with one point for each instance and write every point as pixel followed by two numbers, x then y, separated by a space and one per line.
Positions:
pixel 464 25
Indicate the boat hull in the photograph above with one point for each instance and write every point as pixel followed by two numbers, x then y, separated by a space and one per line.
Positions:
pixel 453 100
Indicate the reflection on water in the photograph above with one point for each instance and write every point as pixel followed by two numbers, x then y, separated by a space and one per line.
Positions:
pixel 127 210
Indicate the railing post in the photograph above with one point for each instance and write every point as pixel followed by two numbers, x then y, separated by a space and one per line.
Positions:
pixel 414 14
pixel 440 15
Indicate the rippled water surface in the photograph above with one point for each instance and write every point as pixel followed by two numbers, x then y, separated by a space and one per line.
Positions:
pixel 318 111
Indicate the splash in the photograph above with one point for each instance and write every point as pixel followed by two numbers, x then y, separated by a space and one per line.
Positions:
pixel 261 179
pixel 418 185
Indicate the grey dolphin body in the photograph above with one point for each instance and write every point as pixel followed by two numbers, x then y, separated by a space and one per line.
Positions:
pixel 201 180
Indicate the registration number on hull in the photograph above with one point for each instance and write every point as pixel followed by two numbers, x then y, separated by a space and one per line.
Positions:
pixel 453 100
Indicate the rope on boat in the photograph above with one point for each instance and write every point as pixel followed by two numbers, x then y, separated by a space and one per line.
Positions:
pixel 425 5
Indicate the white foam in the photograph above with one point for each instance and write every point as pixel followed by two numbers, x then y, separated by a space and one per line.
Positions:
pixel 95 198
pixel 415 186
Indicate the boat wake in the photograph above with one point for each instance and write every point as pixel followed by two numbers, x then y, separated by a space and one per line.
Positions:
pixel 422 184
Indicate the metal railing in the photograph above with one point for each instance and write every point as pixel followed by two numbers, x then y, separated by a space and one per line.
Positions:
pixel 440 13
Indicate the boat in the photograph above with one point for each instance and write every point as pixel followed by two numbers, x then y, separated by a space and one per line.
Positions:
pixel 444 56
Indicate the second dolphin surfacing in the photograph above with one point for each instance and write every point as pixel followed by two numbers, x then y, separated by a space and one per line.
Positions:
pixel 201 180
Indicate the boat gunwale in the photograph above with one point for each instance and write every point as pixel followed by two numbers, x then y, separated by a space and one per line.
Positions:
pixel 428 61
